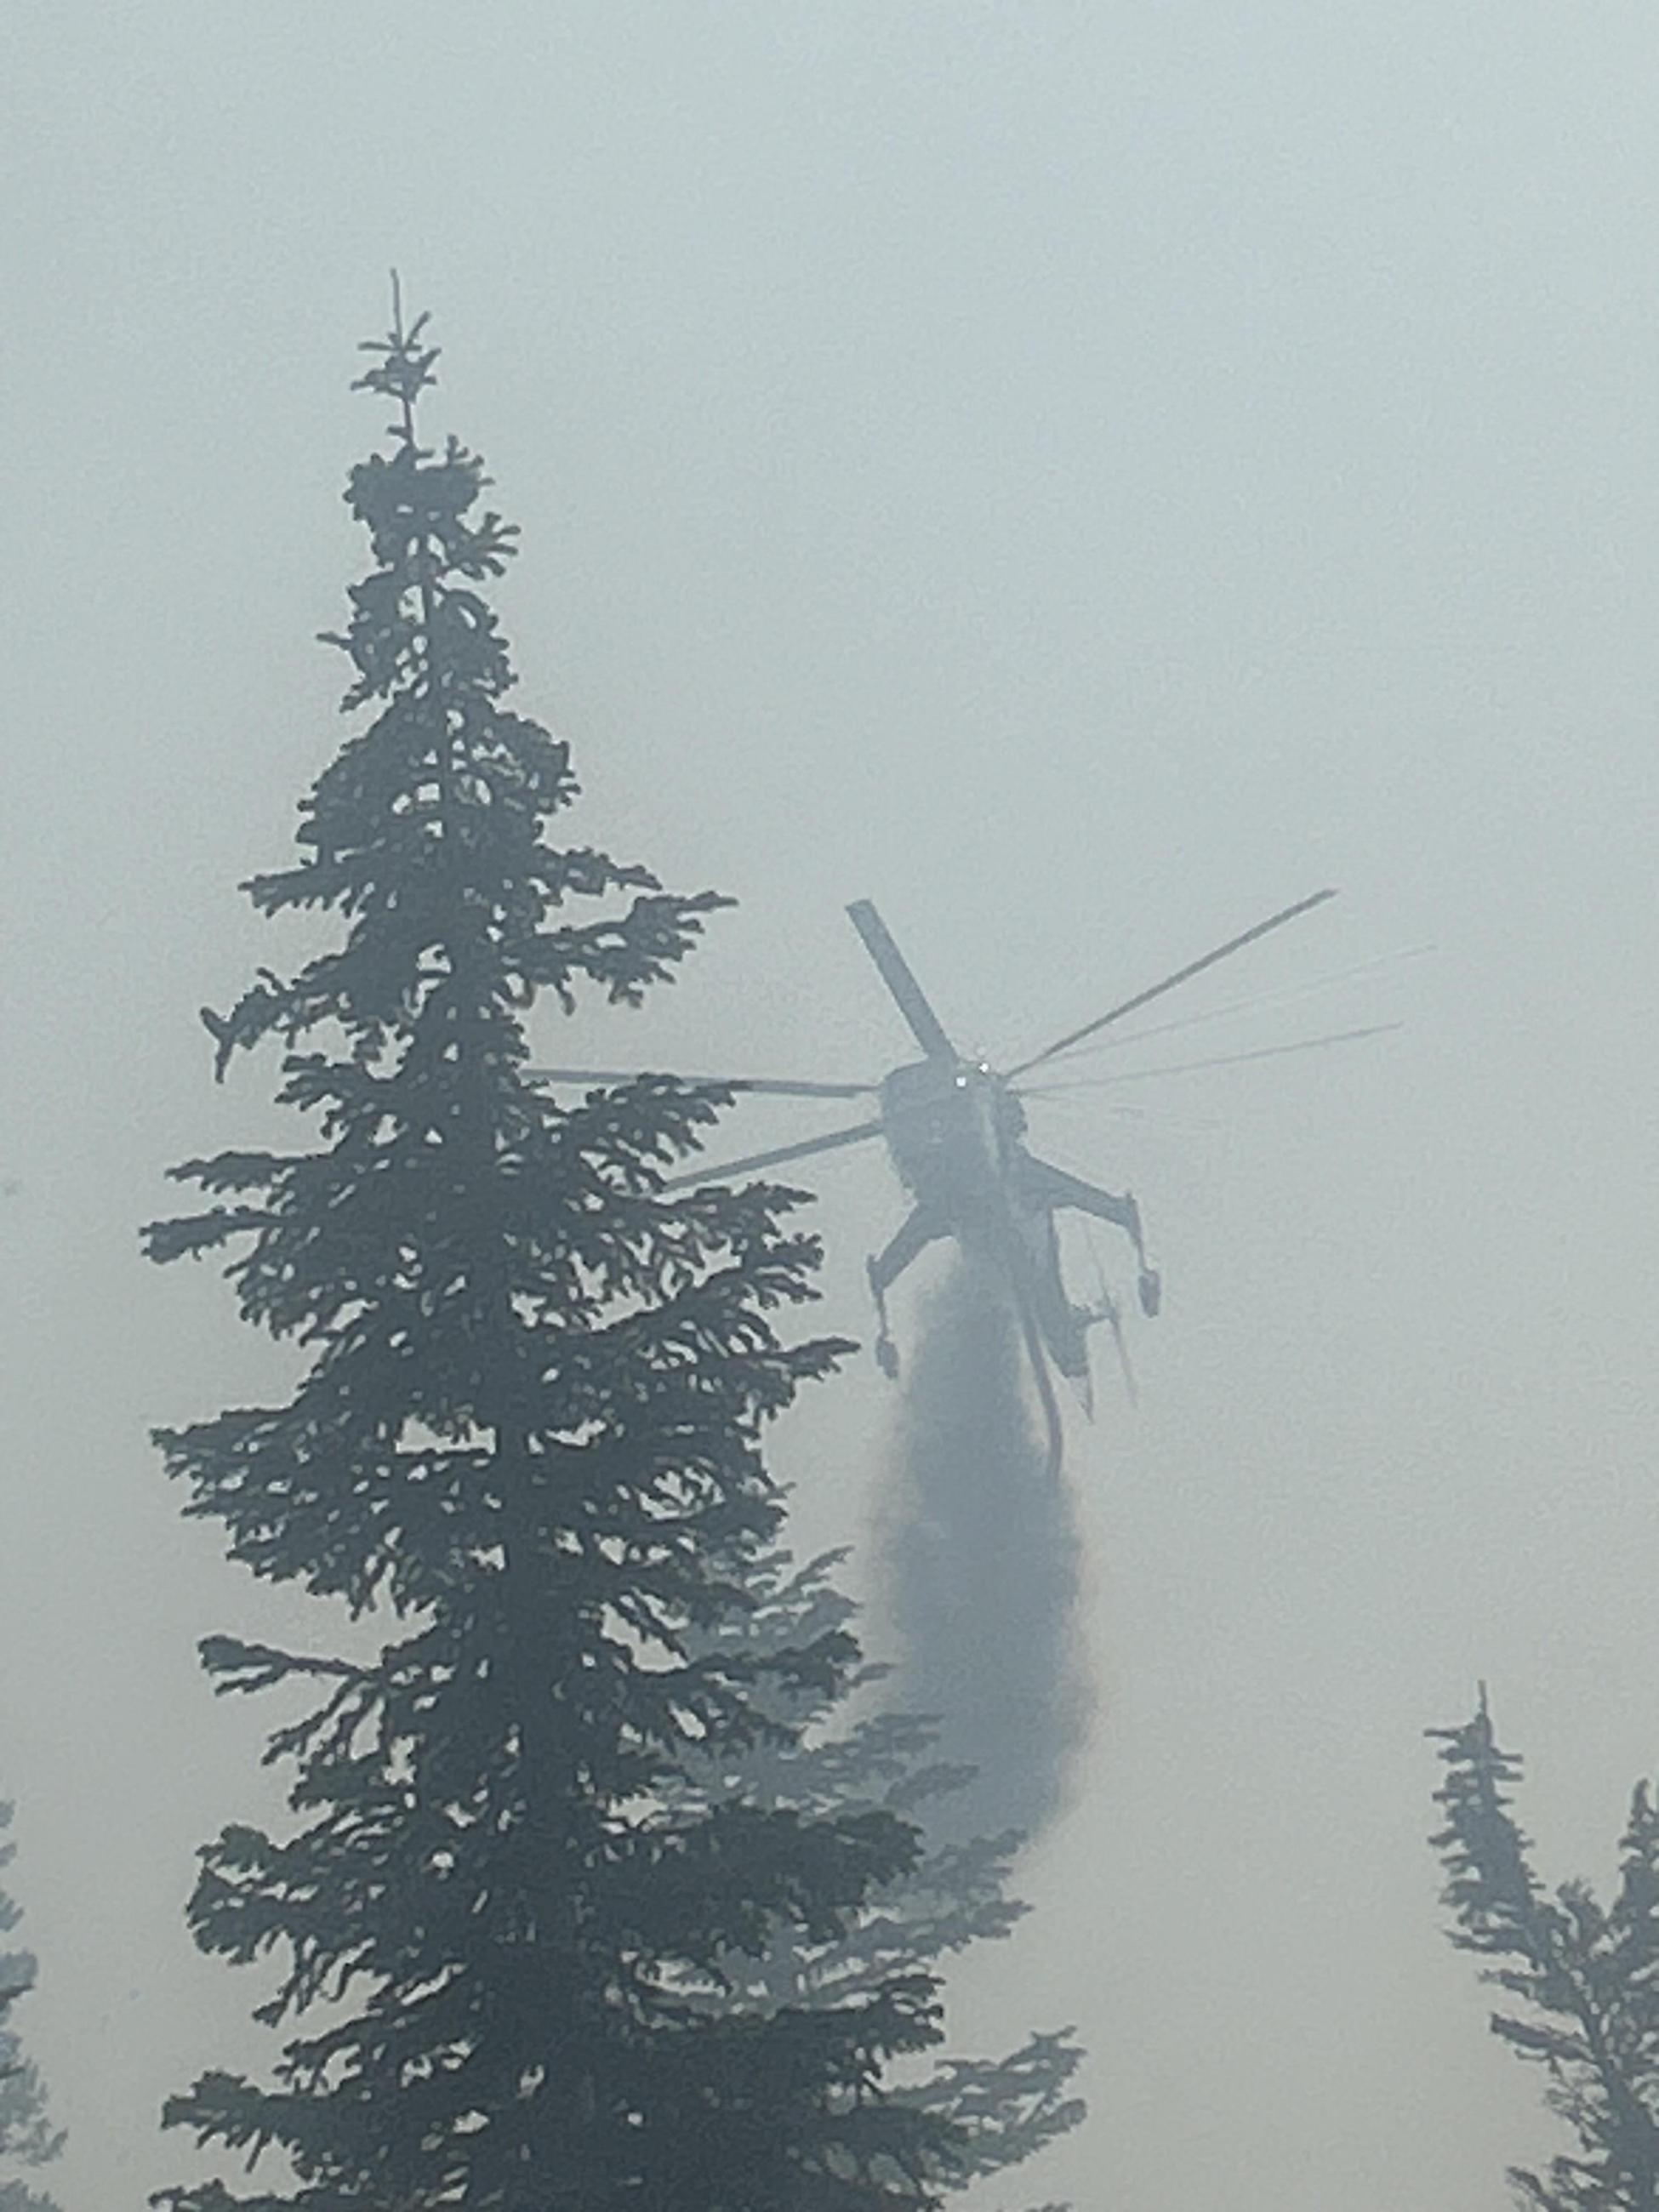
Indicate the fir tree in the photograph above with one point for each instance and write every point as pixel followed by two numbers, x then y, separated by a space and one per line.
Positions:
pixel 26 2138
pixel 527 1435
pixel 1585 1976
pixel 1002 2110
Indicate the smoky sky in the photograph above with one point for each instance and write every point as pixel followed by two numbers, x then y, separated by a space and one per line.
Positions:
pixel 1081 475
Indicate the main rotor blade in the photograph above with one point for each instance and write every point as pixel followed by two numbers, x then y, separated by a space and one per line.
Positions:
pixel 1181 976
pixel 925 1024
pixel 1282 996
pixel 804 1150
pixel 1222 1059
pixel 766 1086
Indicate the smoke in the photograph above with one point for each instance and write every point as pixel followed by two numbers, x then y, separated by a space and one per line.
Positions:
pixel 982 1562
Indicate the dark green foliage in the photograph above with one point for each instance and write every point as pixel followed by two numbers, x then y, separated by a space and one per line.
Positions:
pixel 1002 2110
pixel 1585 1976
pixel 27 2139
pixel 528 1432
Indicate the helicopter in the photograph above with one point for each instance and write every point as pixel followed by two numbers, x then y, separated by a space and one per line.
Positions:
pixel 955 1129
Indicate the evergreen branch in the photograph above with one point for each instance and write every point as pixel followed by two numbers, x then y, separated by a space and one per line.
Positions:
pixel 189 1237
pixel 248 1667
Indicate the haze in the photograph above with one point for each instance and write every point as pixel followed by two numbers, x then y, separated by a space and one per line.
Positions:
pixel 1082 475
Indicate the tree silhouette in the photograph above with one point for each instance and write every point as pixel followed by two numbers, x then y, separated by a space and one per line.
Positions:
pixel 1584 1976
pixel 525 1446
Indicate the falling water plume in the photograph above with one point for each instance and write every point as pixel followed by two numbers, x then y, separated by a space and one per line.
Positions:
pixel 982 1562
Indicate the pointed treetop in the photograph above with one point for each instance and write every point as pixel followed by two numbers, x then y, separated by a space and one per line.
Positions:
pixel 405 368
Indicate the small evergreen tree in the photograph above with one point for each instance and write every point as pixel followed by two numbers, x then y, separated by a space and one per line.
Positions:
pixel 1585 1976
pixel 26 2138
pixel 1002 2110
pixel 528 1442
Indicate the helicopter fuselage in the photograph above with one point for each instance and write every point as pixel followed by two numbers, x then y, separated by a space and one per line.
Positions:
pixel 944 1122
pixel 955 1130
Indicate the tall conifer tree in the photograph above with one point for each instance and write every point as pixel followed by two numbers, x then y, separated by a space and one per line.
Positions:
pixel 526 1439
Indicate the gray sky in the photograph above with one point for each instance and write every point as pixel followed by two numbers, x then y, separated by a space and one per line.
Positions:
pixel 1082 475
